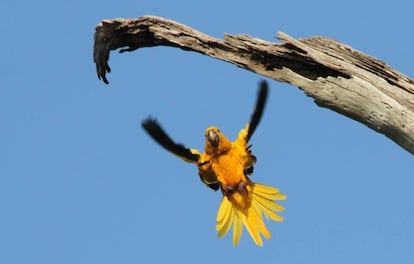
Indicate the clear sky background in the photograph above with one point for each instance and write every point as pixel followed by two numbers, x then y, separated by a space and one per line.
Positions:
pixel 80 181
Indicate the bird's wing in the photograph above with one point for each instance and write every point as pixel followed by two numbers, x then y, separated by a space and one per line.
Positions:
pixel 258 110
pixel 158 134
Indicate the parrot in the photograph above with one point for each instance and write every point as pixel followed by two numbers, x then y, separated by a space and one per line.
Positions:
pixel 227 165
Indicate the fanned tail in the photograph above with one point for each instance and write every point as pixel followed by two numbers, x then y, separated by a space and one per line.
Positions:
pixel 247 208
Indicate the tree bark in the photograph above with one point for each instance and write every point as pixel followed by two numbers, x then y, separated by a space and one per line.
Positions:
pixel 337 76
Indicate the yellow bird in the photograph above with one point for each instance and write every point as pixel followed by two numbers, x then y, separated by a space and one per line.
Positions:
pixel 226 165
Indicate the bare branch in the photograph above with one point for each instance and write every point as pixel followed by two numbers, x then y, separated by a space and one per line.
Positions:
pixel 337 76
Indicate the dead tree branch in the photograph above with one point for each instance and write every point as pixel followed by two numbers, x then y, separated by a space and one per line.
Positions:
pixel 337 76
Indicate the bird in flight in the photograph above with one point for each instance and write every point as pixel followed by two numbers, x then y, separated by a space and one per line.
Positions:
pixel 227 165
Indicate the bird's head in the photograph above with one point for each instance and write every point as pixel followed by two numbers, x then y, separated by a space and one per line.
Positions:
pixel 216 142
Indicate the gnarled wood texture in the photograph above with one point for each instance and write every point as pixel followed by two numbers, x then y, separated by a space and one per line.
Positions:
pixel 337 76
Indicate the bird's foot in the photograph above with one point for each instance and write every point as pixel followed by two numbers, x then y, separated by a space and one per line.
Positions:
pixel 242 186
pixel 232 188
pixel 229 189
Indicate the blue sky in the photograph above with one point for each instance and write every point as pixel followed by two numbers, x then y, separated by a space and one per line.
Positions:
pixel 80 181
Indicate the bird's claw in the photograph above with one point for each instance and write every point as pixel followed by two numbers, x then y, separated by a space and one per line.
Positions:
pixel 242 186
pixel 231 188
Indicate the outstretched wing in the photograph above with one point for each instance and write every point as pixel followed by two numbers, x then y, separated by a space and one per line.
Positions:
pixel 158 134
pixel 258 110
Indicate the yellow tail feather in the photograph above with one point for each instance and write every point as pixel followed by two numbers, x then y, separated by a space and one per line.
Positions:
pixel 247 208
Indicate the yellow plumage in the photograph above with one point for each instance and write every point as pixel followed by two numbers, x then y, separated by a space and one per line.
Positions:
pixel 244 202
pixel 226 165
pixel 262 202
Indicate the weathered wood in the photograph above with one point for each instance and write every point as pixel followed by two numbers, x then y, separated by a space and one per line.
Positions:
pixel 337 76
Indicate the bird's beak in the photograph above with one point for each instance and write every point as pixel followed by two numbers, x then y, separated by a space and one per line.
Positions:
pixel 213 138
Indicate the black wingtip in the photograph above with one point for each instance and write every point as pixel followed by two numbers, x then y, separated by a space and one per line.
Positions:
pixel 262 95
pixel 258 110
pixel 149 123
pixel 155 130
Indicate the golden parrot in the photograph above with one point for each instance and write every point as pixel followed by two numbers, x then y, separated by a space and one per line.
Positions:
pixel 226 165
